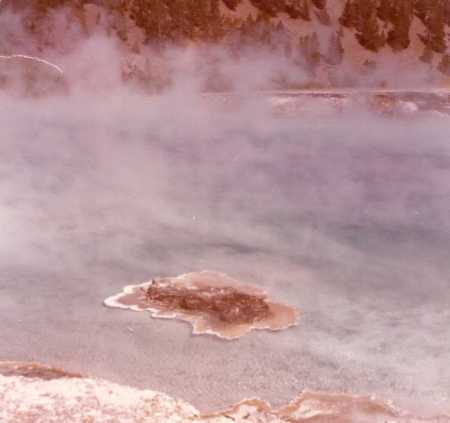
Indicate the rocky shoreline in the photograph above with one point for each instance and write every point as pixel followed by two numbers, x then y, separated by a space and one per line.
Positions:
pixel 31 392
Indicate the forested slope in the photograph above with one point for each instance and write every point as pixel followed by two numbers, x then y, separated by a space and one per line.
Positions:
pixel 321 36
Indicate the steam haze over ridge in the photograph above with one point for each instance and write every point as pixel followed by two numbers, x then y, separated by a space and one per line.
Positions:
pixel 376 43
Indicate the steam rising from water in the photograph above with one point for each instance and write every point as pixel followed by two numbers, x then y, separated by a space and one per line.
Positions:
pixel 343 215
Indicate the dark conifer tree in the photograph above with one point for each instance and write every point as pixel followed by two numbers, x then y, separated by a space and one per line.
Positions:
pixel 444 65
pixel 263 30
pixel 152 17
pixel 436 27
pixel 446 13
pixel 427 55
pixel 297 9
pixel 335 53
pixel 310 56
pixel 232 4
pixel 350 15
pixel 304 10
pixel 215 21
pixel 178 27
pixel 323 17
pixel 282 39
pixel 384 10
pixel 400 17
pixel 269 7
pixel 320 4
pixel 369 34
pixel 422 9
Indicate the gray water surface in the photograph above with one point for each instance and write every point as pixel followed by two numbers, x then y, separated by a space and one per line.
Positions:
pixel 347 218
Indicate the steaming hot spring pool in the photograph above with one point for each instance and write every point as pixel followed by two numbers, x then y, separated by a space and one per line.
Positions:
pixel 344 216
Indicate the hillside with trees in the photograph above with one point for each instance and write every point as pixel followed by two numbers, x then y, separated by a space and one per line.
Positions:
pixel 315 34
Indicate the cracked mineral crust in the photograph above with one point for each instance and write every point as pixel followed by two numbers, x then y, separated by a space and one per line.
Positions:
pixel 212 302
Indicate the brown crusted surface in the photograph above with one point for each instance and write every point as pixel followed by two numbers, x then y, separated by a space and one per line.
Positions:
pixel 321 407
pixel 34 370
pixel 325 407
pixel 227 304
pixel 212 302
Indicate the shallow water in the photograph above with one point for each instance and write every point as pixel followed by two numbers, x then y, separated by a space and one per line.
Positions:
pixel 345 217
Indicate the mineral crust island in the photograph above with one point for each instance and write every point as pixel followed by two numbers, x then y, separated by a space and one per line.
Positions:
pixel 212 302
